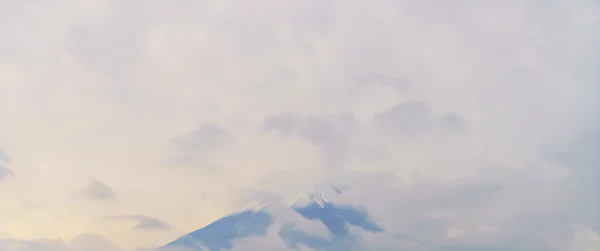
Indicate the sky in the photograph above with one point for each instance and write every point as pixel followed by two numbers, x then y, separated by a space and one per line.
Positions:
pixel 131 123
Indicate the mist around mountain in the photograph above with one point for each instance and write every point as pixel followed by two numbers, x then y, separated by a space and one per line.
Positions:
pixel 319 207
pixel 495 211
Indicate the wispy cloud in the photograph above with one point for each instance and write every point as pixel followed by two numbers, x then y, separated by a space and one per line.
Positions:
pixel 142 222
pixel 99 191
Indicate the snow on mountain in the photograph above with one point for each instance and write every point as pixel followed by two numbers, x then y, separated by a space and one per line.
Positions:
pixel 320 195
pixel 256 220
pixel 221 233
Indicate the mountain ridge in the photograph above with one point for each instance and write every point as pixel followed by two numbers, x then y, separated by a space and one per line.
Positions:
pixel 255 220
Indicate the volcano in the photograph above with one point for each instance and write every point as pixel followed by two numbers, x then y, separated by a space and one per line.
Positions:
pixel 318 206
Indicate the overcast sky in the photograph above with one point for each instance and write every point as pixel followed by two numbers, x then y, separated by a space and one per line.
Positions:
pixel 467 122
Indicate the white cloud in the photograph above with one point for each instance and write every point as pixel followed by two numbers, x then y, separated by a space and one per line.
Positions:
pixel 497 208
pixel 468 119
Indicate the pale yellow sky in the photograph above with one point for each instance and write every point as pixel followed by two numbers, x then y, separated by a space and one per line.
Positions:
pixel 176 110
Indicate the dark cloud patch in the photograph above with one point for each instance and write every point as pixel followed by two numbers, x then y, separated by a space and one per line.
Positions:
pixel 416 118
pixel 4 159
pixel 206 138
pixel 409 118
pixel 143 222
pixel 330 133
pixel 5 172
pixel 453 123
pixel 99 191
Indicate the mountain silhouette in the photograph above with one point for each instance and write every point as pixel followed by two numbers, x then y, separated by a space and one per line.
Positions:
pixel 319 206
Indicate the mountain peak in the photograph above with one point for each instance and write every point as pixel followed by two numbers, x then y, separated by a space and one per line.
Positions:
pixel 321 195
pixel 255 221
pixel 256 207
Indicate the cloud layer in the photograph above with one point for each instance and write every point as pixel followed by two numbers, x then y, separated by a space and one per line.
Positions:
pixel 461 127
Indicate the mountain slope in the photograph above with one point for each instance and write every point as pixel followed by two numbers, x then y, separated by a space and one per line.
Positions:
pixel 221 233
pixel 318 206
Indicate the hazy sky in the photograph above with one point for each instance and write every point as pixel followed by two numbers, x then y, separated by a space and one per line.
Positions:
pixel 140 120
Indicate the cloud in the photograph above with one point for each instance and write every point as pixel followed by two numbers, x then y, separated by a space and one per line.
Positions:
pixel 99 191
pixel 379 80
pixel 415 118
pixel 497 208
pixel 192 146
pixel 83 242
pixel 92 242
pixel 5 172
pixel 4 158
pixel 456 126
pixel 329 133
pixel 143 222
pixel 202 138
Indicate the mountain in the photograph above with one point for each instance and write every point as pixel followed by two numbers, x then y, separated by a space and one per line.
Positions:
pixel 319 206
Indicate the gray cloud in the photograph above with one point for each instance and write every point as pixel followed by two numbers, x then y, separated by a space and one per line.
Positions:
pixel 380 80
pixel 5 173
pixel 330 133
pixel 579 156
pixel 343 139
pixel 192 146
pixel 4 159
pixel 203 138
pixel 83 242
pixel 508 77
pixel 112 46
pixel 416 118
pixel 99 191
pixel 143 222
pixel 497 208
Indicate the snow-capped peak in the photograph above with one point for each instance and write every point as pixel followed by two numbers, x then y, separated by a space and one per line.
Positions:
pixel 253 207
pixel 321 195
